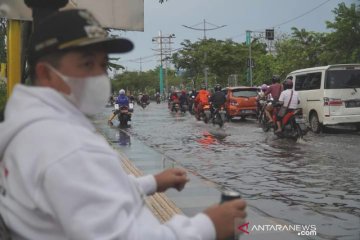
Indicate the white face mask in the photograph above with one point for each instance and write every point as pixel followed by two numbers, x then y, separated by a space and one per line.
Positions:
pixel 88 94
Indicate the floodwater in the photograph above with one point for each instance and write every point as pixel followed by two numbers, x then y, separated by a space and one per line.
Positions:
pixel 311 182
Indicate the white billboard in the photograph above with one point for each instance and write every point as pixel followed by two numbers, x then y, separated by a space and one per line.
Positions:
pixel 118 14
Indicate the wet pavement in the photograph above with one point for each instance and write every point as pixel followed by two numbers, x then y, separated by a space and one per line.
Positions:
pixel 312 182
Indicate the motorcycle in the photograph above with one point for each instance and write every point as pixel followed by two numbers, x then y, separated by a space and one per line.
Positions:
pixel 174 106
pixel 131 107
pixel 144 104
pixel 124 115
pixel 203 114
pixel 293 125
pixel 191 104
pixel 184 108
pixel 262 118
pixel 219 116
pixel 158 99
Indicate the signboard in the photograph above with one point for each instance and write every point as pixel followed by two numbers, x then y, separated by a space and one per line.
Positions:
pixel 118 14
pixel 269 34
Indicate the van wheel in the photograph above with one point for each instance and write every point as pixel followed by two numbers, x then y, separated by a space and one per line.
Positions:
pixel 314 123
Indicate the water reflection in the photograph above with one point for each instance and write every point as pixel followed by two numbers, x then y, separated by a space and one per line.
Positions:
pixel 123 137
pixel 207 139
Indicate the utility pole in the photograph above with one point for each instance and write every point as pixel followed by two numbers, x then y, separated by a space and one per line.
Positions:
pixel 140 61
pixel 204 29
pixel 269 35
pixel 164 52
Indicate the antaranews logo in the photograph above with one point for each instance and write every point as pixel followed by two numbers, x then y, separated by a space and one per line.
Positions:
pixel 242 227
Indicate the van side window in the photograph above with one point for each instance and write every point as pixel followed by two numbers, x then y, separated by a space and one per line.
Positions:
pixel 308 81
pixel 315 80
pixel 299 82
pixel 342 79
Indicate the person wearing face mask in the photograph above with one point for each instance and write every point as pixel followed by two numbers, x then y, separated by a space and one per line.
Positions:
pixel 59 179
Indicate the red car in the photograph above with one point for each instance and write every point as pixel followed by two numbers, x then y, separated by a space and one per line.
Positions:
pixel 241 101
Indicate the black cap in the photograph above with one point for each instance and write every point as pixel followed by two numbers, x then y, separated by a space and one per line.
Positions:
pixel 72 29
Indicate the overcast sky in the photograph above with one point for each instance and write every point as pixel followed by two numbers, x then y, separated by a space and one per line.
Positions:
pixel 237 15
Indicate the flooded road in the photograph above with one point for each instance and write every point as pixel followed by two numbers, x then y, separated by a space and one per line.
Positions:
pixel 312 182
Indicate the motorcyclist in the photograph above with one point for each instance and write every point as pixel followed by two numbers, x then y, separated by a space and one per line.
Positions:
pixel 218 99
pixel 201 99
pixel 157 97
pixel 145 99
pixel 183 99
pixel 284 99
pixel 192 96
pixel 131 98
pixel 174 96
pixel 261 94
pixel 275 89
pixel 262 98
pixel 139 97
pixel 122 100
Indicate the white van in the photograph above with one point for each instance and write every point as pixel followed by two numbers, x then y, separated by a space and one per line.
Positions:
pixel 329 95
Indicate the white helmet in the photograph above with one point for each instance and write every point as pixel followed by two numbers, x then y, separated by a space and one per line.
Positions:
pixel 122 92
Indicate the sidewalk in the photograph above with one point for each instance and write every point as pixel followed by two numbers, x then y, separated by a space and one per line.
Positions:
pixel 199 193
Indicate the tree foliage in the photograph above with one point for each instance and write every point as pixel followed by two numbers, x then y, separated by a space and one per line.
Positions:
pixel 221 58
pixel 343 42
pixel 144 81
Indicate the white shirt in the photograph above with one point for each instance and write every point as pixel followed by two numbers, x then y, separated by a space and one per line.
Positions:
pixel 285 97
pixel 60 180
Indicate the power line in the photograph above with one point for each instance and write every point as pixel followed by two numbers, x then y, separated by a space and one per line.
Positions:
pixel 292 19
pixel 295 18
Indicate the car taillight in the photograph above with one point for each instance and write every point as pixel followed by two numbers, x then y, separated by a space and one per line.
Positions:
pixel 234 103
pixel 333 102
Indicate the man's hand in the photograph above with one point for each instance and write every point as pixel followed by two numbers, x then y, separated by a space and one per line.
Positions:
pixel 171 178
pixel 223 216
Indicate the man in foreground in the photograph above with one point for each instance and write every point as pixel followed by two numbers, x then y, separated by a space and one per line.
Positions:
pixel 59 179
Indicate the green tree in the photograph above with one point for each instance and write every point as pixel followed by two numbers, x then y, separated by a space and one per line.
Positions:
pixel 302 50
pixel 222 58
pixel 143 82
pixel 342 44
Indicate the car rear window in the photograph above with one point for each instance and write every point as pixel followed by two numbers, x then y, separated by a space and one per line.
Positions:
pixel 244 93
pixel 340 79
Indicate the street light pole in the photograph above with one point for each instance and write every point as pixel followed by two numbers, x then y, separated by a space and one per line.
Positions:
pixel 250 66
pixel 204 29
pixel 248 42
pixel 164 55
